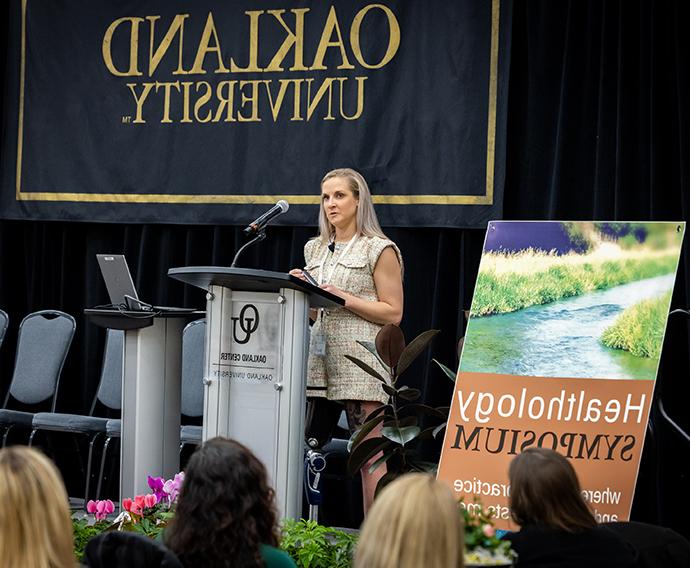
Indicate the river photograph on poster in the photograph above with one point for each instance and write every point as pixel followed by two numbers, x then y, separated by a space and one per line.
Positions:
pixel 572 299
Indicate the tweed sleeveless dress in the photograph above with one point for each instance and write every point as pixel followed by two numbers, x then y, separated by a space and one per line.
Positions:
pixel 333 376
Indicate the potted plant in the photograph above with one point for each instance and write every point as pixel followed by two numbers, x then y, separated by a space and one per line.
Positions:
pixel 399 419
pixel 145 514
pixel 483 547
pixel 312 545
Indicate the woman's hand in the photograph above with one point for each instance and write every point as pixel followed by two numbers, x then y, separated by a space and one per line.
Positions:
pixel 298 273
pixel 336 292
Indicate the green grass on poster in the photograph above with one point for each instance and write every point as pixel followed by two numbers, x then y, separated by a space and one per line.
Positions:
pixel 504 291
pixel 640 328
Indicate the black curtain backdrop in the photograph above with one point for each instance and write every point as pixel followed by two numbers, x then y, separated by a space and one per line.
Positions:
pixel 597 129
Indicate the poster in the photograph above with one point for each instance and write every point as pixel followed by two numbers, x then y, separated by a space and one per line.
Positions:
pixel 561 351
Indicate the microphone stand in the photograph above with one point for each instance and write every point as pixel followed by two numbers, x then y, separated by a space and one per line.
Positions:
pixel 260 236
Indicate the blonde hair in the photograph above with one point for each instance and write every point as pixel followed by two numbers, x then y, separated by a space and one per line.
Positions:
pixel 35 523
pixel 367 222
pixel 414 522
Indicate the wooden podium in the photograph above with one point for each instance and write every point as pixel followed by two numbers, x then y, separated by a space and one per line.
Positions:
pixel 255 366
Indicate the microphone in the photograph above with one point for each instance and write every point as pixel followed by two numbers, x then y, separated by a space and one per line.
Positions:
pixel 259 223
pixel 331 246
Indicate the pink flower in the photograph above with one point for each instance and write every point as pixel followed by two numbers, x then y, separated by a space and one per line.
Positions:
pixel 139 503
pixel 127 505
pixel 156 485
pixel 173 486
pixel 134 506
pixel 101 509
pixel 488 531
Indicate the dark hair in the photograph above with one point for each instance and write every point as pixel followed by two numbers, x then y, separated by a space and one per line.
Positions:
pixel 545 491
pixel 225 510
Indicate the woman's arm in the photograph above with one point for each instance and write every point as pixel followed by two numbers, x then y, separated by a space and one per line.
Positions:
pixel 389 289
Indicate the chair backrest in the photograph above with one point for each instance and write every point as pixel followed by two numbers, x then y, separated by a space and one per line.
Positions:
pixel 193 338
pixel 42 345
pixel 4 320
pixel 110 385
pixel 120 549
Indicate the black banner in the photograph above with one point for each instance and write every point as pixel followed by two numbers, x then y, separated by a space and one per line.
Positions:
pixel 203 111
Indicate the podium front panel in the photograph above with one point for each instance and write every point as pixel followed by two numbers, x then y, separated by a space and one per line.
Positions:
pixel 254 375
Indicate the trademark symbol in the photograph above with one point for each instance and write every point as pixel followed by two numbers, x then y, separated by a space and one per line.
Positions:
pixel 126 119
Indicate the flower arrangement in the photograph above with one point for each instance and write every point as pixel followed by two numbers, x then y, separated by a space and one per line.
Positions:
pixel 309 544
pixel 482 545
pixel 147 514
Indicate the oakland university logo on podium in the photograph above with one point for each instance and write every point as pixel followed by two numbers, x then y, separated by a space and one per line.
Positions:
pixel 249 323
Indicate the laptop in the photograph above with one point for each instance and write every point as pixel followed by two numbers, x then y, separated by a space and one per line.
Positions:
pixel 120 285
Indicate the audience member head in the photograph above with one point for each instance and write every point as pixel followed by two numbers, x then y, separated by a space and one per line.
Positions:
pixel 545 491
pixel 414 522
pixel 225 510
pixel 35 523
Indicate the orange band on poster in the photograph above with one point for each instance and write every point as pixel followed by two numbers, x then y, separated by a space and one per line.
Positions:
pixel 599 424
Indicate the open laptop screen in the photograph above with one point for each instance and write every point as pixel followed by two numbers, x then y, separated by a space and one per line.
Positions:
pixel 117 278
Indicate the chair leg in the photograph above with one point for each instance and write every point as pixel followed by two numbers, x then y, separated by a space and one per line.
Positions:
pixel 88 468
pixel 104 453
pixel 31 437
pixel 7 433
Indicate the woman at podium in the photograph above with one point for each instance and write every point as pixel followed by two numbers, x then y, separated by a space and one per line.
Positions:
pixel 353 259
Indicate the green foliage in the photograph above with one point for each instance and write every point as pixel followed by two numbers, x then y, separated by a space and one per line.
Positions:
pixel 83 532
pixel 399 420
pixel 312 545
pixel 510 292
pixel 309 544
pixel 640 328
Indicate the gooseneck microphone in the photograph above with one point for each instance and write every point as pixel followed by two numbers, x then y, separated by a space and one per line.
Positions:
pixel 259 223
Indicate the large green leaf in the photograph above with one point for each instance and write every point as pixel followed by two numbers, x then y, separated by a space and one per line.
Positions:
pixel 439 429
pixel 383 459
pixel 362 432
pixel 407 421
pixel 426 434
pixel 446 370
pixel 402 435
pixel 407 393
pixel 364 452
pixel 389 390
pixel 390 343
pixel 366 368
pixel 371 347
pixel 412 351
pixel 378 410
